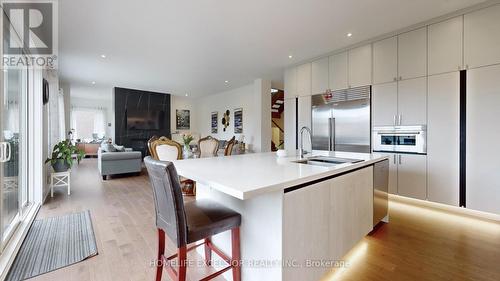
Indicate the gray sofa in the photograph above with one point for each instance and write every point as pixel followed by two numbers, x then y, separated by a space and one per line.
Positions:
pixel 113 163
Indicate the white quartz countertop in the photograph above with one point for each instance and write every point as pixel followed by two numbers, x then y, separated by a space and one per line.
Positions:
pixel 248 175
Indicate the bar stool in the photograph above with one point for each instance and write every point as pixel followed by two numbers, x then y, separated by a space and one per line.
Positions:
pixel 188 223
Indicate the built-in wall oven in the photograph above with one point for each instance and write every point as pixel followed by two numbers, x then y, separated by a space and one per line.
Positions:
pixel 405 139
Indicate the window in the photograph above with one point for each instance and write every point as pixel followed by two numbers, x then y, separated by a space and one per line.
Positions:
pixel 88 124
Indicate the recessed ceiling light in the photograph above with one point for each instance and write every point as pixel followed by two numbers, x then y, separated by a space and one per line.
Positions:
pixel 93 82
pixel 103 56
pixel 290 56
pixel 187 95
pixel 226 81
pixel 349 34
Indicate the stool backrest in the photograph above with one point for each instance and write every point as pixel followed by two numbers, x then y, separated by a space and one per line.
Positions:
pixel 169 205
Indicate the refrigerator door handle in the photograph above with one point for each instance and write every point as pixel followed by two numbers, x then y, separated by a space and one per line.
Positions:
pixel 332 134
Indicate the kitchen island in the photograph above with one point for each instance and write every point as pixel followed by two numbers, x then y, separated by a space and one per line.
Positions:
pixel 295 214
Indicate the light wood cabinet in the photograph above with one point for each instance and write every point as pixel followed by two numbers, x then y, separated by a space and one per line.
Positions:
pixel 341 207
pixel 320 76
pixel 412 101
pixel 412 175
pixel 338 65
pixel 385 60
pixel 304 79
pixel 412 54
pixel 290 115
pixel 290 82
pixel 443 138
pixel 481 40
pixel 360 66
pixel 445 46
pixel 384 104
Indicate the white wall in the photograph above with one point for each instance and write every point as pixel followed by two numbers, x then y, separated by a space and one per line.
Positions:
pixel 94 97
pixel 254 98
pixel 177 102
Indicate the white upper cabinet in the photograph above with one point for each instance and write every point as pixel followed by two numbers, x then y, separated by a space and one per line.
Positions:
pixel 412 54
pixel 385 104
pixel 385 60
pixel 360 66
pixel 304 79
pixel 320 76
pixel 445 46
pixel 290 82
pixel 481 37
pixel 338 73
pixel 412 101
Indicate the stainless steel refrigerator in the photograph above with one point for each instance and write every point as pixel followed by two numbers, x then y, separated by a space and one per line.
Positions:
pixel 341 120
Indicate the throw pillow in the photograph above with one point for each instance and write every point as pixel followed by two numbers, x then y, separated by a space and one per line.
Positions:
pixel 119 148
pixel 106 147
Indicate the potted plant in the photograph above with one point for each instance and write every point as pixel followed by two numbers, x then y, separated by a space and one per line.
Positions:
pixel 62 156
pixel 186 151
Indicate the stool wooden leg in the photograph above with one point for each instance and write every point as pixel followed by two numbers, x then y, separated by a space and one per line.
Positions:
pixel 182 255
pixel 208 252
pixel 161 251
pixel 235 257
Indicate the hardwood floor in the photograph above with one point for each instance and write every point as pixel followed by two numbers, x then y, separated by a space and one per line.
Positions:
pixel 417 244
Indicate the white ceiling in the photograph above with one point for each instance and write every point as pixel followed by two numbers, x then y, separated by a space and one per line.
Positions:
pixel 180 46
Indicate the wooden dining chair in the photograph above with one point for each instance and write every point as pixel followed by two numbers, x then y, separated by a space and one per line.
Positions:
pixel 165 149
pixel 229 146
pixel 208 146
pixel 150 141
pixel 190 222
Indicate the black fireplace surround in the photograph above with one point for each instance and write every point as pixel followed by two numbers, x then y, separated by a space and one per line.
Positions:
pixel 137 100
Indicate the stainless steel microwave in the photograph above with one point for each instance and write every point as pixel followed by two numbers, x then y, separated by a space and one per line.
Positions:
pixel 407 139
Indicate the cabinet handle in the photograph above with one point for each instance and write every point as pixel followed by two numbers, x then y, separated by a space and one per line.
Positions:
pixel 394 158
pixel 400 78
pixel 399 159
pixel 395 79
pixel 394 120
pixel 400 117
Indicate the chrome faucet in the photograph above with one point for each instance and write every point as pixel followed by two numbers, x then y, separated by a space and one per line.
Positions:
pixel 301 147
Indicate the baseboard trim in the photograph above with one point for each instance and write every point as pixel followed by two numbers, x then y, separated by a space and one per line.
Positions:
pixel 443 207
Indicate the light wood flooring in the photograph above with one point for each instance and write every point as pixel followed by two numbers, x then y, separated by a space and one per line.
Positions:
pixel 417 244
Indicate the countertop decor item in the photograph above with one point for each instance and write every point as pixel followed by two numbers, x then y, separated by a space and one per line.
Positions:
pixel 186 151
pixel 62 156
pixel 281 153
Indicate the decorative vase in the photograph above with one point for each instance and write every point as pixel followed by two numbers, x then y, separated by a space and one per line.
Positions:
pixel 60 166
pixel 186 151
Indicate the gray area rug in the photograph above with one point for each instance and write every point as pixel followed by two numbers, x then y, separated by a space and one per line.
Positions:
pixel 53 243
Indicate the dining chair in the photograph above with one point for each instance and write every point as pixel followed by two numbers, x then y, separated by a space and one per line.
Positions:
pixel 229 146
pixel 188 223
pixel 208 146
pixel 165 149
pixel 150 141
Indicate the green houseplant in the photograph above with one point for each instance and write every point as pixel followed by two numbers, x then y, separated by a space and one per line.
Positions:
pixel 62 156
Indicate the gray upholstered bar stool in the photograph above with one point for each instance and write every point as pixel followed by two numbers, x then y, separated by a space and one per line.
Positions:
pixel 188 223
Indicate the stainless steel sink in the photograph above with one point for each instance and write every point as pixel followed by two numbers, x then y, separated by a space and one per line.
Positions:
pixel 327 161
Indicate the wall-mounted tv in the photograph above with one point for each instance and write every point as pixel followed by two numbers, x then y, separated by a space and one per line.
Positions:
pixel 145 120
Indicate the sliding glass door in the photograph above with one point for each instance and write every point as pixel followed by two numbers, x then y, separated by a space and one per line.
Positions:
pixel 13 147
